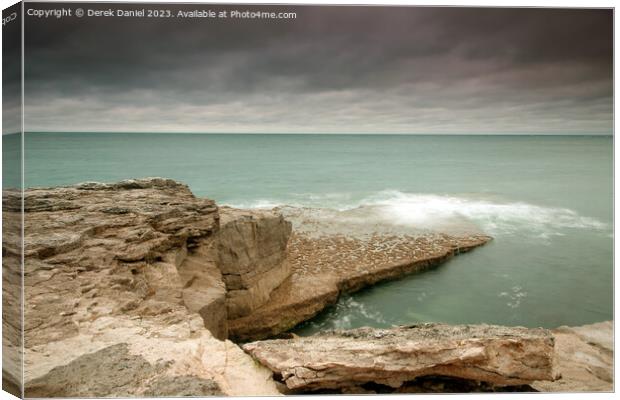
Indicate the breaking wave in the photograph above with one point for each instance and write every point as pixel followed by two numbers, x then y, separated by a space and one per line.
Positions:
pixel 439 212
pixel 428 210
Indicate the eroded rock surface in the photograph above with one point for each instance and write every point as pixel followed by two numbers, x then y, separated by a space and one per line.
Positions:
pixel 584 356
pixel 113 371
pixel 11 296
pixel 500 356
pixel 324 267
pixel 123 295
pixel 251 252
pixel 131 289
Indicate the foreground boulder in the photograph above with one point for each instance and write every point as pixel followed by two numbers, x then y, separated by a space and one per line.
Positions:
pixel 500 356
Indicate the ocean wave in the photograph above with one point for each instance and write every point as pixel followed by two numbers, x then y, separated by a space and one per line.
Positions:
pixel 446 213
pixel 256 204
pixel 428 210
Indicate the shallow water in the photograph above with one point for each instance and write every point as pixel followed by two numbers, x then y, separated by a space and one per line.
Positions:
pixel 546 200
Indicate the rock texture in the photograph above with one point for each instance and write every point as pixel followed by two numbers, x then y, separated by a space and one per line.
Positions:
pixel 114 371
pixel 123 295
pixel 131 289
pixel 584 356
pixel 251 251
pixel 325 267
pixel 11 295
pixel 497 355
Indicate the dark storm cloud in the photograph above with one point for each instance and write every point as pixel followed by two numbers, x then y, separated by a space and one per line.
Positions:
pixel 332 69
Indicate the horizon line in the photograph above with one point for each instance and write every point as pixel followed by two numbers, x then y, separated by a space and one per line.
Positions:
pixel 335 133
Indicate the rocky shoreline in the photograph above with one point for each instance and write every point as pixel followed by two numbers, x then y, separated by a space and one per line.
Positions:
pixel 324 268
pixel 139 288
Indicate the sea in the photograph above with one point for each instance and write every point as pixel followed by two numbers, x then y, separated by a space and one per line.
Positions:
pixel 547 201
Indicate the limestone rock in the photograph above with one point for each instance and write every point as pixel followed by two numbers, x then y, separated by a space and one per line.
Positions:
pixel 251 251
pixel 113 371
pixel 123 296
pixel 131 289
pixel 127 357
pixel 204 291
pixel 11 294
pixel 584 356
pixel 325 267
pixel 501 356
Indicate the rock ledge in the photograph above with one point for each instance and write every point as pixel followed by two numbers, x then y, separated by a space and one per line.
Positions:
pixel 500 356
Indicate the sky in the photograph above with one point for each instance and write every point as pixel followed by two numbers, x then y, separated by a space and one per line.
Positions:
pixel 332 69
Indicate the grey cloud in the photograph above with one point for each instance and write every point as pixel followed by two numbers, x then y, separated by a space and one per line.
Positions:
pixel 334 69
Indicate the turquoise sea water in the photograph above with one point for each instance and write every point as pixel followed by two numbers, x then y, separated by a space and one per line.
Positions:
pixel 546 200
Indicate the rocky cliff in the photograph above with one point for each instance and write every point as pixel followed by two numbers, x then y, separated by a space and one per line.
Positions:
pixel 124 296
pixel 132 289
pixel 251 252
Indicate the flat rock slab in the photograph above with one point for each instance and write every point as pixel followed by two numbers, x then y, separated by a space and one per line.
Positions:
pixel 324 267
pixel 501 356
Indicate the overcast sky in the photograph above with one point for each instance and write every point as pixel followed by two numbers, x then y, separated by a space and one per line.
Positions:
pixel 330 70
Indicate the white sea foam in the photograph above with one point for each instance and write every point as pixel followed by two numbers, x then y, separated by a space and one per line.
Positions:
pixel 348 311
pixel 398 210
pixel 257 204
pixel 516 296
pixel 429 210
